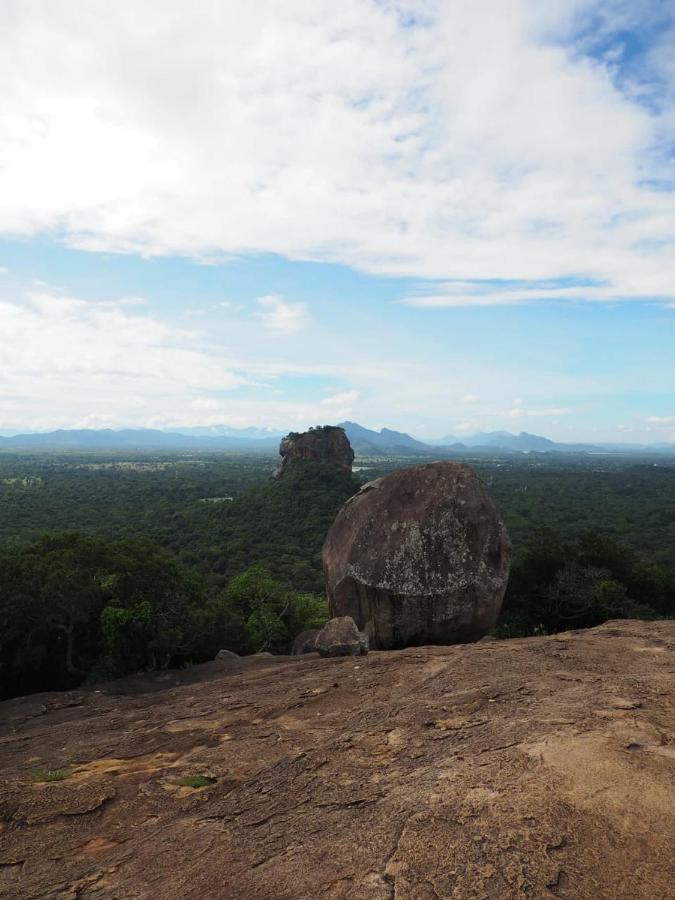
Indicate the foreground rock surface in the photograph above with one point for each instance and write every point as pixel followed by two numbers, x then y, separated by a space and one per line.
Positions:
pixel 328 444
pixel 515 769
pixel 341 637
pixel 419 556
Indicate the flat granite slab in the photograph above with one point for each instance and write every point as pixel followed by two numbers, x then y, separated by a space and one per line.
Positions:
pixel 504 769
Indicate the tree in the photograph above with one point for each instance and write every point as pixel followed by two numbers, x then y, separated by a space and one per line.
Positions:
pixel 264 603
pixel 272 612
pixel 78 606
pixel 149 620
pixel 50 593
pixel 557 585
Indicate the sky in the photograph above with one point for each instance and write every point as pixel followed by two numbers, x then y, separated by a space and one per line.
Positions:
pixel 440 216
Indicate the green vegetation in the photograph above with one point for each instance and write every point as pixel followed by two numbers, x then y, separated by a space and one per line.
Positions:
pixel 49 775
pixel 281 524
pixel 556 585
pixel 195 781
pixel 317 430
pixel 79 608
pixel 76 606
pixel 111 564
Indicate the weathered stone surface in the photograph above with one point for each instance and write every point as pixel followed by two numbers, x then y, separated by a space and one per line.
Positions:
pixel 328 443
pixel 419 557
pixel 227 654
pixel 305 642
pixel 477 772
pixel 341 637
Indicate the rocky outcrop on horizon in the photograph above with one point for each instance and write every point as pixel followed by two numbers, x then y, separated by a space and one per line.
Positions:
pixel 326 444
pixel 419 556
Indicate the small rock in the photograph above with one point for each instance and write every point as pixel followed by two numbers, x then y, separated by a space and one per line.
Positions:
pixel 305 642
pixel 226 654
pixel 341 637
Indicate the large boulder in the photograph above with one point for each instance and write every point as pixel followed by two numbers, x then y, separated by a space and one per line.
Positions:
pixel 420 556
pixel 327 443
pixel 305 642
pixel 341 637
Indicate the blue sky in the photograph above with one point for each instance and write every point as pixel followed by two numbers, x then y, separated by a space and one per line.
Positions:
pixel 438 217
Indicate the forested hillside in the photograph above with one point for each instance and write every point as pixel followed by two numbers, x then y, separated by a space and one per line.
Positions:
pixel 175 499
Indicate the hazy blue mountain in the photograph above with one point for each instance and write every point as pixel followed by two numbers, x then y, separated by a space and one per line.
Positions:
pixel 132 439
pixel 369 442
pixel 364 441
pixel 227 431
pixel 507 441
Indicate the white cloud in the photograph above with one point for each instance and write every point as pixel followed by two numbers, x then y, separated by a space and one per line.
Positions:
pixel 339 406
pixel 518 412
pixel 283 317
pixel 639 284
pixel 342 399
pixel 67 361
pixel 662 426
pixel 474 144
pixel 470 399
pixel 128 301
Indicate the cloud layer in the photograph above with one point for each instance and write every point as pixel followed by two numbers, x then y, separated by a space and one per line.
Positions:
pixel 514 150
pixel 280 316
pixel 72 363
pixel 497 154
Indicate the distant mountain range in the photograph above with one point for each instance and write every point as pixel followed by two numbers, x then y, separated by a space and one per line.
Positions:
pixel 239 433
pixel 138 439
pixel 372 443
pixel 502 439
pixel 368 442
pixel 365 441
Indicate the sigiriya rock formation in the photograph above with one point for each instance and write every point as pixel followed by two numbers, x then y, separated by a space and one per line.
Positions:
pixel 327 443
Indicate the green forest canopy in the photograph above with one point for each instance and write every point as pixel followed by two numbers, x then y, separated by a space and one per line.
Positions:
pixel 152 565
